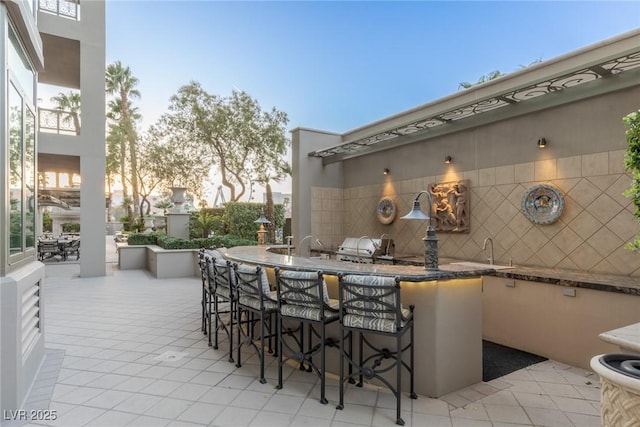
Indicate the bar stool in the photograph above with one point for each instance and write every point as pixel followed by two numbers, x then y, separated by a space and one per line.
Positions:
pixel 222 281
pixel 371 306
pixel 254 298
pixel 203 263
pixel 303 297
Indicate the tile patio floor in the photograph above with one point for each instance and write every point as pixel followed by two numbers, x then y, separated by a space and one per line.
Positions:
pixel 104 335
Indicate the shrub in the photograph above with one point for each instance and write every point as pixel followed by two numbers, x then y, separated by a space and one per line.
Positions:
pixel 167 242
pixel 71 227
pixel 143 239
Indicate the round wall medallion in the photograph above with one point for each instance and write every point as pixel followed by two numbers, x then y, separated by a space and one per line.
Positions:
pixel 542 204
pixel 386 210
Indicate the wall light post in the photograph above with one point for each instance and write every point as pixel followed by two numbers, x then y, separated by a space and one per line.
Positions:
pixel 430 240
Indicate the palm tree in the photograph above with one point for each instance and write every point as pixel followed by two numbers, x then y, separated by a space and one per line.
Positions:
pixel 70 104
pixel 120 82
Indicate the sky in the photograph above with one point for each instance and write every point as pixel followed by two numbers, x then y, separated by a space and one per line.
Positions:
pixel 337 66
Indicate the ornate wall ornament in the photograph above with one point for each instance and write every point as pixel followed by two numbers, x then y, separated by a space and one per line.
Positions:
pixel 386 210
pixel 450 206
pixel 542 204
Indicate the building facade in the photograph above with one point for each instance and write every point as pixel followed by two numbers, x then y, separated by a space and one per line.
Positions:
pixel 59 42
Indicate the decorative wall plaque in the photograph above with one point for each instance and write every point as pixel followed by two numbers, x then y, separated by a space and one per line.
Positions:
pixel 542 204
pixel 450 206
pixel 386 210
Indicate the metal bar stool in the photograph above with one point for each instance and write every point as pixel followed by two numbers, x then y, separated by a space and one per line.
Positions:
pixel 254 298
pixel 203 263
pixel 371 306
pixel 222 280
pixel 303 297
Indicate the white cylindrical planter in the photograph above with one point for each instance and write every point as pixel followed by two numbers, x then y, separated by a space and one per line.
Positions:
pixel 619 393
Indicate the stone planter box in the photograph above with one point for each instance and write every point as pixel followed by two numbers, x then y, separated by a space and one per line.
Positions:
pixel 161 263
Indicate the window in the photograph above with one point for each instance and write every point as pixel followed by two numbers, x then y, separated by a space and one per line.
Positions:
pixel 21 128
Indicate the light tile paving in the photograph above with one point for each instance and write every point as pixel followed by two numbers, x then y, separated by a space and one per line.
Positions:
pixel 94 375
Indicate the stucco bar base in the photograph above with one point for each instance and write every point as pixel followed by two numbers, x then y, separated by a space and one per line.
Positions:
pixel 448 333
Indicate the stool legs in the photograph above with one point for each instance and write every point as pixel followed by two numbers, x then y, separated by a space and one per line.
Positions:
pixel 367 370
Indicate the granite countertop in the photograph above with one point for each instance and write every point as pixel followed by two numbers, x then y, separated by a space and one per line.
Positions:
pixel 577 279
pixel 627 337
pixel 259 255
pixel 555 276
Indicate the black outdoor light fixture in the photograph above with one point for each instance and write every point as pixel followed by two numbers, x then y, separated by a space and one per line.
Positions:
pixel 261 233
pixel 263 219
pixel 448 159
pixel 542 143
pixel 430 240
pixel 385 171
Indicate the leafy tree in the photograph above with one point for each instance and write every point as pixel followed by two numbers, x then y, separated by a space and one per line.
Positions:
pixel 47 222
pixel 632 163
pixel 172 158
pixel 70 104
pixel 117 159
pixel 233 134
pixel 121 83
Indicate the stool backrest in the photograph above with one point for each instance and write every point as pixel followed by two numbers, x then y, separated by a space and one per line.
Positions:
pixel 223 276
pixel 302 288
pixel 252 282
pixel 370 296
pixel 203 263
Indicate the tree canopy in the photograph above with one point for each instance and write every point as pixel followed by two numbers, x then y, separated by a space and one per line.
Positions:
pixel 232 136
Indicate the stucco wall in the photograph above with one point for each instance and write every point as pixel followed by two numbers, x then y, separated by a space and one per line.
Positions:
pixel 584 158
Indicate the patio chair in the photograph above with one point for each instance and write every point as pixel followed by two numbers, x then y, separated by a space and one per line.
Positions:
pixel 303 297
pixel 72 248
pixel 371 306
pixel 49 249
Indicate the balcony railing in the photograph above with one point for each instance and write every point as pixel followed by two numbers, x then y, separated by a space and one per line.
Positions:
pixel 56 121
pixel 64 8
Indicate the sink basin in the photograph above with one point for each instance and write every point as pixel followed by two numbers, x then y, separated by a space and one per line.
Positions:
pixel 482 265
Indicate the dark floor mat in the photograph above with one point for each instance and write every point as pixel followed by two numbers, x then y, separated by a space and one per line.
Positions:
pixel 499 360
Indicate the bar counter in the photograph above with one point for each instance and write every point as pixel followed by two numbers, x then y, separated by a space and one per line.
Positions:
pixel 447 317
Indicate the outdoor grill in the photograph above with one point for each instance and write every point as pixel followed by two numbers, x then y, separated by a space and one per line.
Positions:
pixel 364 249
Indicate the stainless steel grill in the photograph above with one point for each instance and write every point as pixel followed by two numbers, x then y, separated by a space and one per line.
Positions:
pixel 363 249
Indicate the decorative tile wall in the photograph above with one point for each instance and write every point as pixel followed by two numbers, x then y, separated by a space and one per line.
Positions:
pixel 590 235
pixel 327 215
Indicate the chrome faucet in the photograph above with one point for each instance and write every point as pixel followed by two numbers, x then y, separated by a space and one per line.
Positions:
pixel 310 236
pixel 288 240
pixel 375 245
pixel 484 248
pixel 386 249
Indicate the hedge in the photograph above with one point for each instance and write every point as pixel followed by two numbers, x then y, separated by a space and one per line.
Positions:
pixel 167 242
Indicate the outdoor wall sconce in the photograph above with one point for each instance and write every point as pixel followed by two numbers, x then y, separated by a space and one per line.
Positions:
pixel 385 171
pixel 542 143
pixel 448 159
pixel 430 240
pixel 262 232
